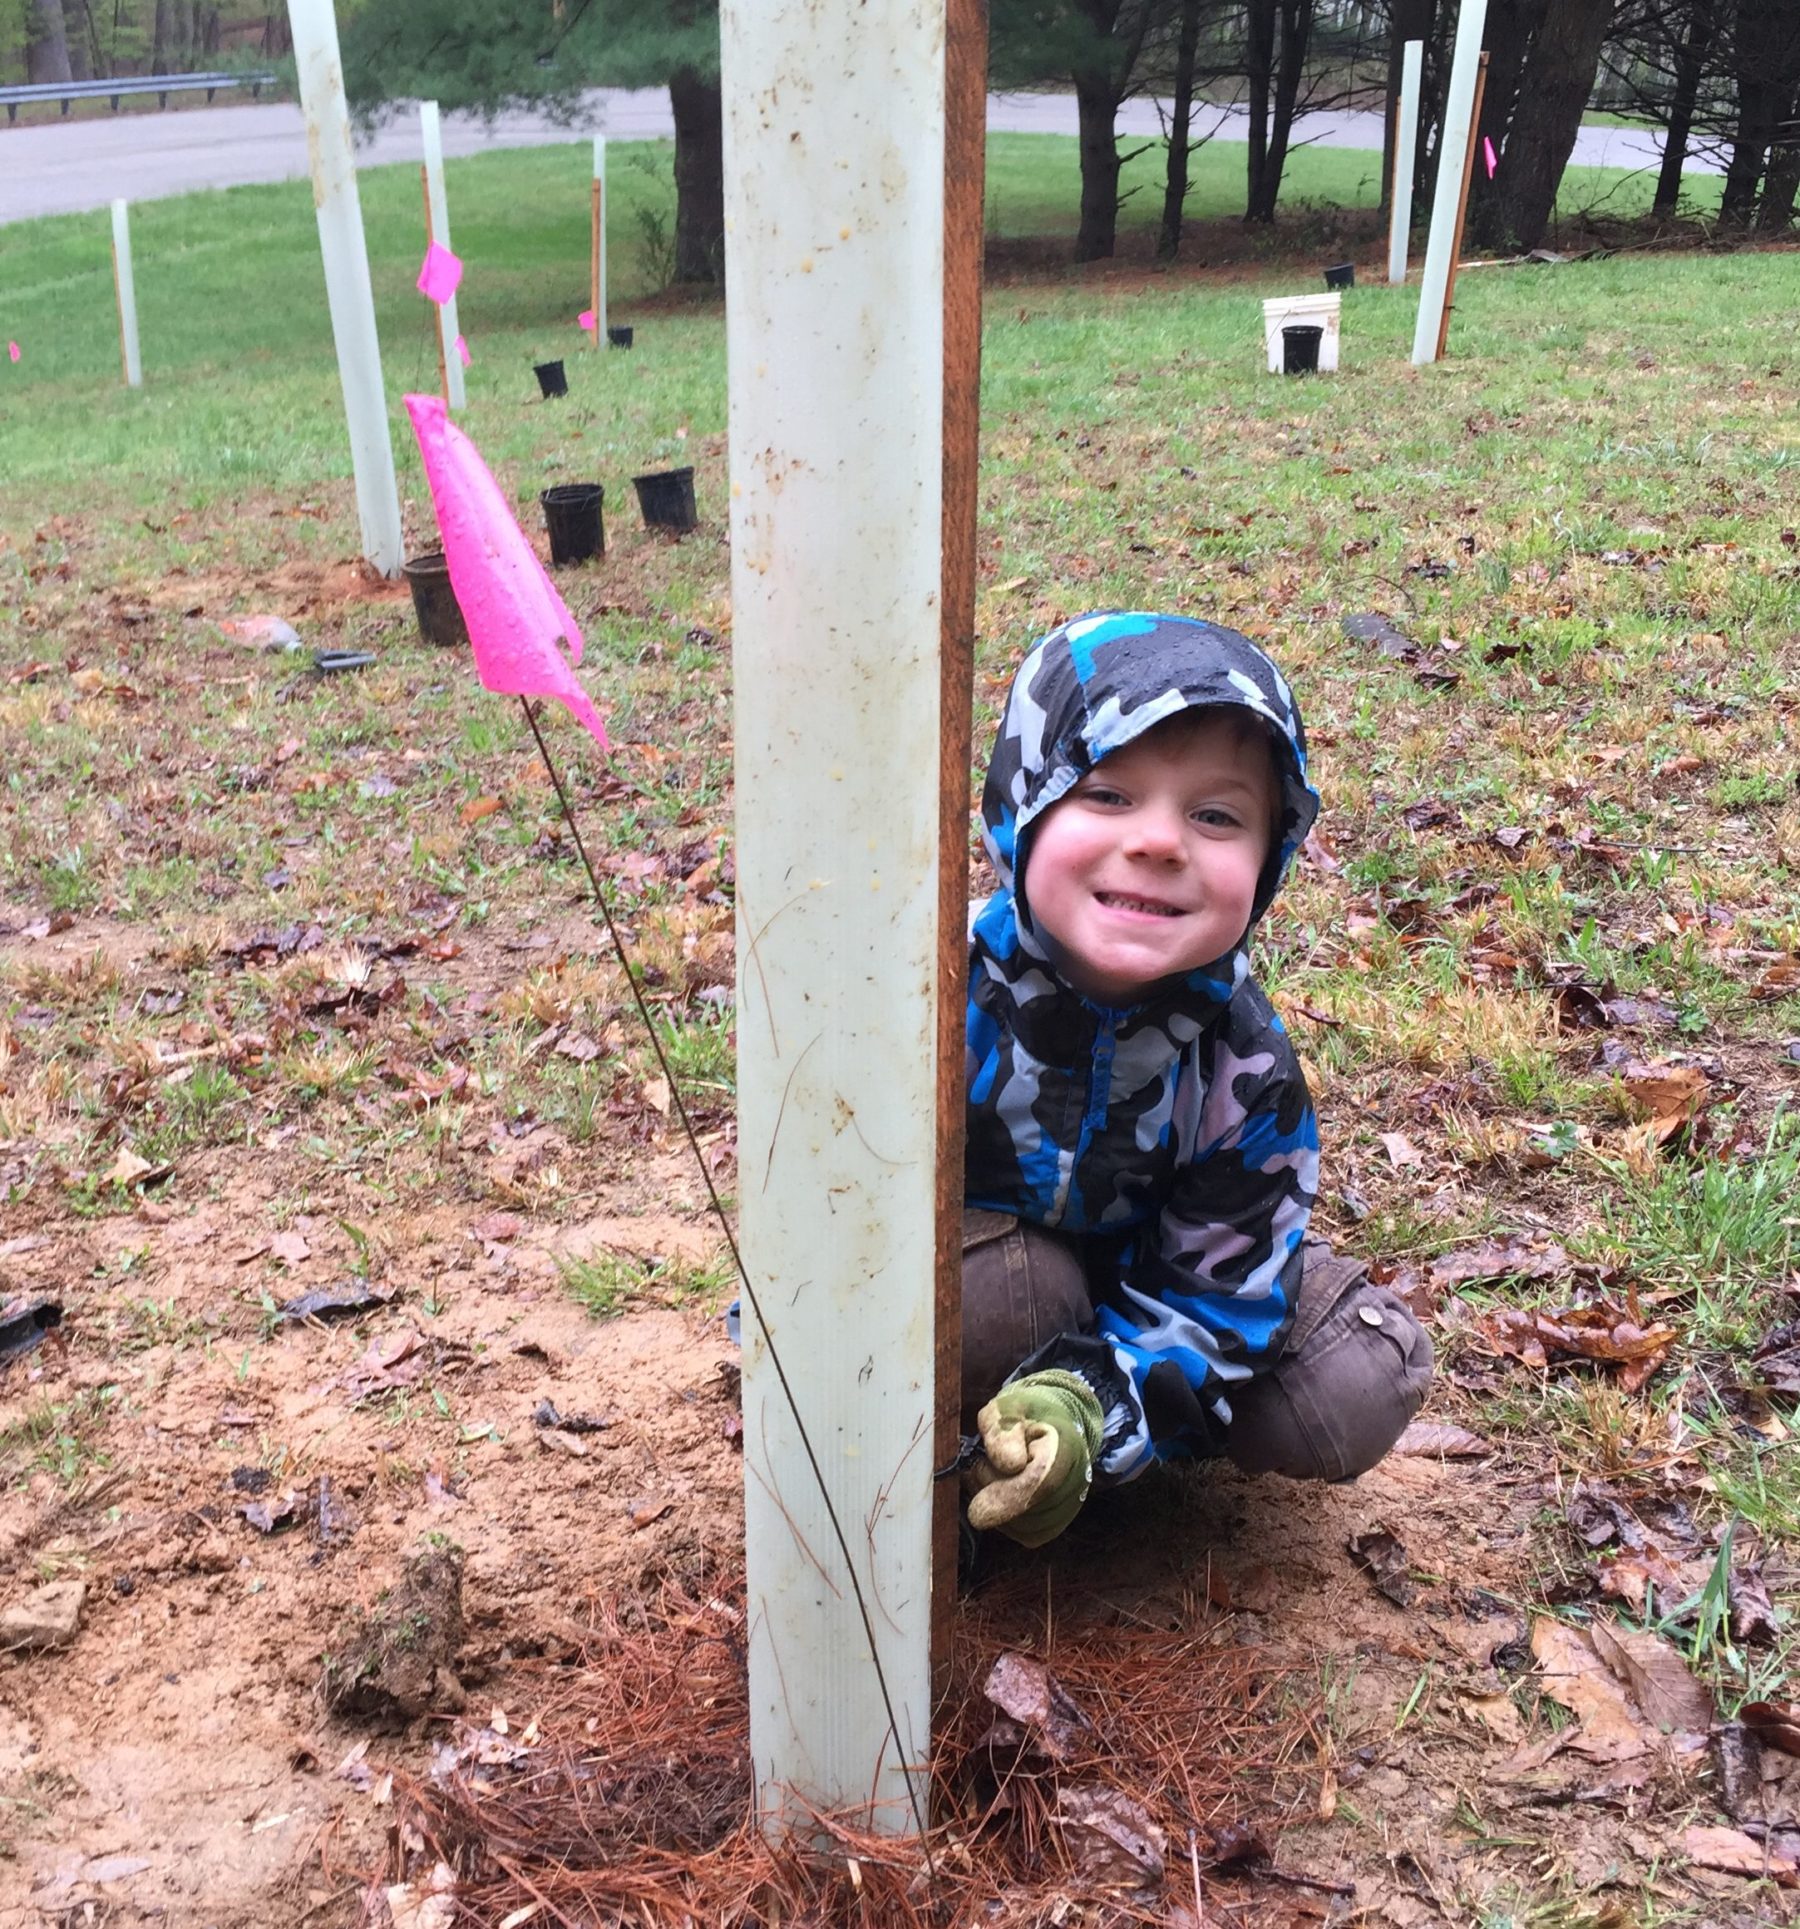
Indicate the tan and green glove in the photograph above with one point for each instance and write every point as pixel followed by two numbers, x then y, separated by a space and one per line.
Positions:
pixel 1039 1436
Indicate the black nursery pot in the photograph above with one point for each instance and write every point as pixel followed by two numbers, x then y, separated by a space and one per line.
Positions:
pixel 572 515
pixel 667 499
pixel 1342 276
pixel 551 379
pixel 434 601
pixel 618 337
pixel 1300 349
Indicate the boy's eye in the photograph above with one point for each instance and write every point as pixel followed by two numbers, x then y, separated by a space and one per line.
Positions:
pixel 1102 794
pixel 1216 817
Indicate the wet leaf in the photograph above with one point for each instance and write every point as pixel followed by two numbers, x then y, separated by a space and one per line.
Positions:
pixel 1570 1672
pixel 1776 1724
pixel 1658 1679
pixel 1498 1259
pixel 477 808
pixel 1781 980
pixel 1733 1852
pixel 1602 1332
pixel 1111 1839
pixel 1031 1695
pixel 1382 1554
pixel 1426 1439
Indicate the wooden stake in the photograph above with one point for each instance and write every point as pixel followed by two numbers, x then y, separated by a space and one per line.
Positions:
pixel 1462 205
pixel 436 327
pixel 965 159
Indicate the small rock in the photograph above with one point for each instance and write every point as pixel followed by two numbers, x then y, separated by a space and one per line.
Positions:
pixel 48 1618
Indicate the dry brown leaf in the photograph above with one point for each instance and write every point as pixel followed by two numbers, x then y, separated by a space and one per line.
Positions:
pixel 1776 1724
pixel 1781 980
pixel 642 1513
pixel 1426 1438
pixel 477 808
pixel 1649 1665
pixel 656 1094
pixel 1571 1672
pixel 1668 1096
pixel 290 1248
pixel 126 1169
pixel 1498 1259
pixel 1400 1149
pixel 1110 1837
pixel 1733 1852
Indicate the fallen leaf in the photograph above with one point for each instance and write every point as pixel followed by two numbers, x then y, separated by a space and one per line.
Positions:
pixel 1400 1149
pixel 1027 1692
pixel 1733 1852
pixel 497 1228
pixel 1781 980
pixel 1496 1713
pixel 1110 1837
pixel 1776 1724
pixel 578 1046
pixel 1382 1554
pixel 1651 1668
pixel 1508 1259
pixel 477 808
pixel 1571 1673
pixel 1667 1096
pixel 290 1248
pixel 126 1168
pixel 656 1094
pixel 643 1513
pixel 1426 1439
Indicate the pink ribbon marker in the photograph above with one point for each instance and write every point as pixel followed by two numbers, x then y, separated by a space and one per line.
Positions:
pixel 585 320
pixel 516 619
pixel 462 351
pixel 1488 154
pixel 12 349
pixel 440 275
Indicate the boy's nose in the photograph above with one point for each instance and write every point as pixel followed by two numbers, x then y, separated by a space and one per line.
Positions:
pixel 1157 833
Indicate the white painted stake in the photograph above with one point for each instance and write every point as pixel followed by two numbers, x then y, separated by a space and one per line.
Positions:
pixel 347 287
pixel 834 328
pixel 431 136
pixel 127 292
pixel 599 241
pixel 1406 135
pixel 1453 148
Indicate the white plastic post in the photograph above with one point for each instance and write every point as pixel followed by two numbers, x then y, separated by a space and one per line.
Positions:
pixel 352 301
pixel 127 293
pixel 599 241
pixel 432 139
pixel 835 336
pixel 1406 135
pixel 1453 148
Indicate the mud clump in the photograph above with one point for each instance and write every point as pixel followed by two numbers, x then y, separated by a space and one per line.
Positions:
pixel 397 1659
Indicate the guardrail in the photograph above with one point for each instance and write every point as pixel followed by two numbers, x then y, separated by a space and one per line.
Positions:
pixel 162 85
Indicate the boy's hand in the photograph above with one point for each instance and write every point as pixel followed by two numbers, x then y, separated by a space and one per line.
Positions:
pixel 1039 1436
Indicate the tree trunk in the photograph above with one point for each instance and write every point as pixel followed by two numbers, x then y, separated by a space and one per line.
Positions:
pixel 162 36
pixel 1690 64
pixel 1553 92
pixel 1097 107
pixel 277 35
pixel 78 30
pixel 1168 243
pixel 1749 145
pixel 1514 28
pixel 1259 68
pixel 1781 185
pixel 1296 17
pixel 46 43
pixel 1413 20
pixel 1766 58
pixel 211 35
pixel 699 114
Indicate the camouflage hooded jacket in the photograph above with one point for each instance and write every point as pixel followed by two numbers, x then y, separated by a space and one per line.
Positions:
pixel 1177 1132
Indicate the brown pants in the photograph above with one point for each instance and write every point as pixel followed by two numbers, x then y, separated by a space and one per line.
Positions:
pixel 1353 1372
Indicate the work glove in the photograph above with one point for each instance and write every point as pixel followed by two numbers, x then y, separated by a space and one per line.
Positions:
pixel 1039 1436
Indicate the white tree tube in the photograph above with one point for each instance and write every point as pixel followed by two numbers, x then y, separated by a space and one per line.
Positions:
pixel 432 140
pixel 127 293
pixel 1453 149
pixel 599 266
pixel 352 301
pixel 1406 137
pixel 834 170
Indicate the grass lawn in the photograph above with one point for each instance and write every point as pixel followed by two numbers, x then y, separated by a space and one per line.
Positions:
pixel 293 956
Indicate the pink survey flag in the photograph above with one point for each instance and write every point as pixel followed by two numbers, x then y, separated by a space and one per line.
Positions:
pixel 516 618
pixel 462 351
pixel 12 349
pixel 1488 155
pixel 441 273
pixel 585 320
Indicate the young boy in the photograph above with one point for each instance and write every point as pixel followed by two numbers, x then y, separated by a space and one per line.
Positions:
pixel 1138 1283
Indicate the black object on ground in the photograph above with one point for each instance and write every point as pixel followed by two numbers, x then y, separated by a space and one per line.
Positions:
pixel 551 379
pixel 334 662
pixel 1342 276
pixel 434 601
pixel 24 1322
pixel 1300 349
pixel 546 1415
pixel 667 499
pixel 572 515
pixel 618 338
pixel 332 1302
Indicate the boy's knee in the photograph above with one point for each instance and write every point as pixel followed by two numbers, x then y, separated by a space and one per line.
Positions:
pixel 1021 1286
pixel 1340 1398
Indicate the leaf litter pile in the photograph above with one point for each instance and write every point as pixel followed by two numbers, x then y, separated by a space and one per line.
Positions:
pixel 359 1317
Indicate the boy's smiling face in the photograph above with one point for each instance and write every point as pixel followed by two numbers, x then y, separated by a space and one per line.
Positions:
pixel 1149 866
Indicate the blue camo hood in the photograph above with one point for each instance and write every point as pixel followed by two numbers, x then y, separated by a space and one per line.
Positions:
pixel 1098 683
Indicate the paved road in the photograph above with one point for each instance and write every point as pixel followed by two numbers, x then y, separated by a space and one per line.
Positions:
pixel 69 167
